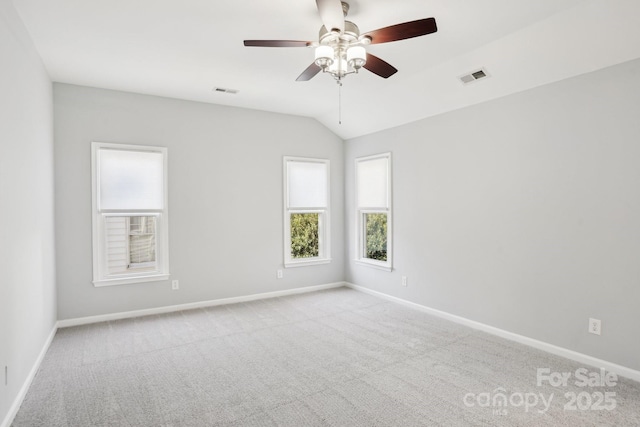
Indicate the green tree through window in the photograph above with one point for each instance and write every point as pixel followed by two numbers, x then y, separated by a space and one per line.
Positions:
pixel 304 235
pixel 376 236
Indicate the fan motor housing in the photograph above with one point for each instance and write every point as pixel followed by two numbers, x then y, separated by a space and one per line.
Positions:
pixel 351 34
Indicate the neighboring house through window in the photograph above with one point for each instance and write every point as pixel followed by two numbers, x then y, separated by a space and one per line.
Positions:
pixel 130 216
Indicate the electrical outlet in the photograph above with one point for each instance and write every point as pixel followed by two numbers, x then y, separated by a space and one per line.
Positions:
pixel 404 281
pixel 175 285
pixel 279 274
pixel 595 326
pixel 6 375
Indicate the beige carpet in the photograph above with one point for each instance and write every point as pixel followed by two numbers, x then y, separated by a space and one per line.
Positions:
pixel 330 358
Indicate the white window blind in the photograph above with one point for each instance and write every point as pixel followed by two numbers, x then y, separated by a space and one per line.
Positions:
pixel 130 179
pixel 307 184
pixel 373 183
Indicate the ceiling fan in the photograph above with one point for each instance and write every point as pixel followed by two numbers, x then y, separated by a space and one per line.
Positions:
pixel 340 49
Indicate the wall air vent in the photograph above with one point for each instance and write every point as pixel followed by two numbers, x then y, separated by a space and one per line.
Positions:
pixel 474 76
pixel 223 90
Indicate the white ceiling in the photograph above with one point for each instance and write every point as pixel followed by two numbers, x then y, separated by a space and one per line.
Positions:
pixel 183 49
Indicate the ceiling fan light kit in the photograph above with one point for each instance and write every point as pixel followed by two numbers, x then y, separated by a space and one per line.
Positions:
pixel 356 57
pixel 341 52
pixel 332 60
pixel 340 49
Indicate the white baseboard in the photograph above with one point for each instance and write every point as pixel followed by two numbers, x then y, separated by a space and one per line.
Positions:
pixel 541 345
pixel 190 306
pixel 13 411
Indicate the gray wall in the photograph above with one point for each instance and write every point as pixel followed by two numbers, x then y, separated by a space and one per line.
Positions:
pixel 522 213
pixel 225 197
pixel 27 260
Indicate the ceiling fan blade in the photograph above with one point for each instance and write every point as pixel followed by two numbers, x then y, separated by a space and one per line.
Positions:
pixel 277 43
pixel 309 73
pixel 403 31
pixel 331 14
pixel 379 66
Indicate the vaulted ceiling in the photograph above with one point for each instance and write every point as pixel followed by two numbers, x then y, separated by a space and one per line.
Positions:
pixel 184 49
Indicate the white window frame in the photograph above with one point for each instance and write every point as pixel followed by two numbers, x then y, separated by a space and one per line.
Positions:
pixel 361 211
pixel 324 229
pixel 100 275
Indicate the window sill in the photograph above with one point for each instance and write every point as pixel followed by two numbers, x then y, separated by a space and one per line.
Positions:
pixel 130 280
pixel 377 266
pixel 305 263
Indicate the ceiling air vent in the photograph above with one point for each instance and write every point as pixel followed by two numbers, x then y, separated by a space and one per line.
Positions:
pixel 223 90
pixel 474 76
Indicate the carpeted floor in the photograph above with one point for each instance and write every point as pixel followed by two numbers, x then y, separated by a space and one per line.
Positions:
pixel 332 358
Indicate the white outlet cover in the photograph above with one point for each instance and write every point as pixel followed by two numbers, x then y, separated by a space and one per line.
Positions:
pixel 595 326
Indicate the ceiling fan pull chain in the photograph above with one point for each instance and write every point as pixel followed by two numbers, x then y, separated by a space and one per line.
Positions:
pixel 339 102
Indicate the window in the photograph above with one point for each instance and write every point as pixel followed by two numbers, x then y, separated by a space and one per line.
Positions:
pixel 306 211
pixel 373 211
pixel 130 215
